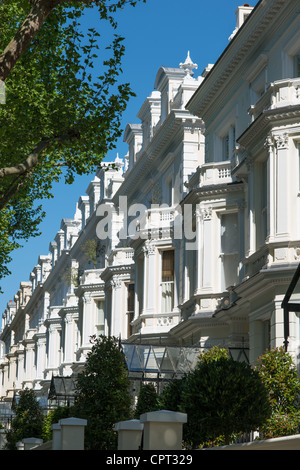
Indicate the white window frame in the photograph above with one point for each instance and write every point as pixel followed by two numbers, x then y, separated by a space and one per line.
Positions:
pixel 100 327
pixel 165 284
pixel 226 132
pixel 289 54
pixel 225 256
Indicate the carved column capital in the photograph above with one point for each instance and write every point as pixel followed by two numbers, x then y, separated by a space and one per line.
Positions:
pixel 206 213
pixel 281 141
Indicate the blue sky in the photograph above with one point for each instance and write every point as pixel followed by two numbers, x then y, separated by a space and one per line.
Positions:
pixel 157 33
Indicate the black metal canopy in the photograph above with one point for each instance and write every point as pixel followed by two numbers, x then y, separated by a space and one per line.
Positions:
pixel 61 388
pixel 166 362
pixel 146 362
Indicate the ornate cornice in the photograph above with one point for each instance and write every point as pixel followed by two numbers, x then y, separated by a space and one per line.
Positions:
pixel 216 190
pixel 122 270
pixel 265 121
pixel 263 16
pixel 259 134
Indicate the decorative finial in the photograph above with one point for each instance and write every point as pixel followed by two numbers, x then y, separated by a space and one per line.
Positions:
pixel 188 65
pixel 118 163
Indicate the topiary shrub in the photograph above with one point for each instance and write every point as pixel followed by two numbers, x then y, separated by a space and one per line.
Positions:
pixel 103 393
pixel 223 397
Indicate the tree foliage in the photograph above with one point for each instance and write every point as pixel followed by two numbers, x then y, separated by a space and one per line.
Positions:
pixel 213 354
pixel 62 112
pixel 171 396
pixel 223 397
pixel 103 393
pixel 53 417
pixel 148 400
pixel 280 377
pixel 28 420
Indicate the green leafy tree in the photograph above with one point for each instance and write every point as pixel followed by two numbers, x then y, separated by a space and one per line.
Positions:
pixel 103 393
pixel 223 397
pixel 60 117
pixel 280 377
pixel 148 400
pixel 213 354
pixel 53 417
pixel 28 420
pixel 171 396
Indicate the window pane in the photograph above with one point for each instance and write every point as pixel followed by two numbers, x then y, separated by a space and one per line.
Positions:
pixel 100 317
pixel 167 285
pixel 167 265
pixel 229 250
pixel 226 147
pixel 229 233
pixel 229 271
pixel 167 296
pixel 130 299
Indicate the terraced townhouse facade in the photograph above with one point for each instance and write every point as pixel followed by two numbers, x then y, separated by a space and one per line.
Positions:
pixel 192 239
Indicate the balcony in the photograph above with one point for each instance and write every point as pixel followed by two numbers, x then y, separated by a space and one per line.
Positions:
pixel 157 218
pixel 91 276
pixel 120 256
pixel 215 173
pixel 279 94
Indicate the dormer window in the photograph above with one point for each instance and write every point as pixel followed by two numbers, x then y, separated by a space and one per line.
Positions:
pixel 133 136
pixel 149 114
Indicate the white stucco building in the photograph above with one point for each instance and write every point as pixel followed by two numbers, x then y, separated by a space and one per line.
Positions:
pixel 193 239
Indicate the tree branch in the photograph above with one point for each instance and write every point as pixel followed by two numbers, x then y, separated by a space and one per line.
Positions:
pixel 30 162
pixel 18 45
pixel 24 170
pixel 37 16
pixel 33 158
pixel 14 188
